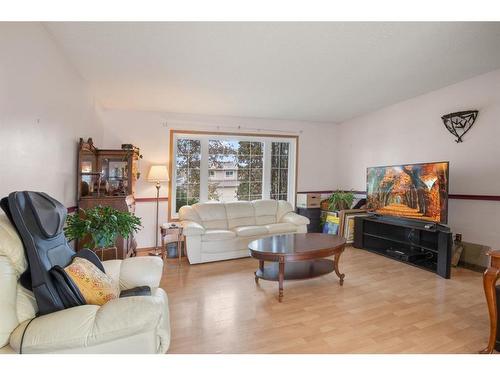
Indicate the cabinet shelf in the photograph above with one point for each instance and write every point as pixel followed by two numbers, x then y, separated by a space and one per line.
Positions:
pixel 413 244
pixel 410 242
pixel 422 264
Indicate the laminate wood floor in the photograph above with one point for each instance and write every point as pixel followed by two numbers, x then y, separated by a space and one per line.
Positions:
pixel 383 307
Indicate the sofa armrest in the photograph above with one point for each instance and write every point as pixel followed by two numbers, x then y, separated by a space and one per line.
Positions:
pixel 90 325
pixel 137 271
pixel 191 228
pixel 293 218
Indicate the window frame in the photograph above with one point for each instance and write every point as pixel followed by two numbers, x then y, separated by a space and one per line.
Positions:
pixel 204 137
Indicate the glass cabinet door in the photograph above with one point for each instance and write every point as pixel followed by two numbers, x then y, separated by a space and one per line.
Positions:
pixel 106 173
pixel 114 176
pixel 88 174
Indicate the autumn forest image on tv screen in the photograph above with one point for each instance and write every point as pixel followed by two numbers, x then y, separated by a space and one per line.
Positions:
pixel 416 191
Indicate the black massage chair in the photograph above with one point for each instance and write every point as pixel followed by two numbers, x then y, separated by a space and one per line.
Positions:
pixel 39 220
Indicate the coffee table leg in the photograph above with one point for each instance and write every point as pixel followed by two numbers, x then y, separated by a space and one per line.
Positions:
pixel 261 268
pixel 336 266
pixel 281 277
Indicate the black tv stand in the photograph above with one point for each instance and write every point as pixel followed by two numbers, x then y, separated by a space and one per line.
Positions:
pixel 409 241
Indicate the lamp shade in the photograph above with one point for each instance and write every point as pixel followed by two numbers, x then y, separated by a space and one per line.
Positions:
pixel 158 173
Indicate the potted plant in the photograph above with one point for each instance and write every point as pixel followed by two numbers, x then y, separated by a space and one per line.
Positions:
pixel 340 200
pixel 98 227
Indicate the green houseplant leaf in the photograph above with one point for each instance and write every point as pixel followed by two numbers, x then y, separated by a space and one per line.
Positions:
pixel 340 200
pixel 99 226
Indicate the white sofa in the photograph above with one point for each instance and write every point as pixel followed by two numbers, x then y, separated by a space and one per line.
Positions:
pixel 137 324
pixel 217 231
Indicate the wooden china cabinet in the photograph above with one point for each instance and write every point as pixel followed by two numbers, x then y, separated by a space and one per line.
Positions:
pixel 108 178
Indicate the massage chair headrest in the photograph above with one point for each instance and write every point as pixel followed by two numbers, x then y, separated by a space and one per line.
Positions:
pixel 50 214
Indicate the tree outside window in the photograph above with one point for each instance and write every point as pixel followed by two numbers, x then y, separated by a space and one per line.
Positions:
pixel 188 172
pixel 279 170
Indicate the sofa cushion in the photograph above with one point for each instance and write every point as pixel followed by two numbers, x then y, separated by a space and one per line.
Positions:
pixel 8 316
pixel 284 207
pixel 265 211
pixel 26 306
pixel 281 228
pixel 11 245
pixel 250 231
pixel 212 215
pixel 188 213
pixel 12 264
pixel 240 214
pixel 217 235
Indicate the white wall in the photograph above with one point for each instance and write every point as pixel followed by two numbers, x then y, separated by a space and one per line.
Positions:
pixel 44 109
pixel 150 132
pixel 337 156
pixel 412 131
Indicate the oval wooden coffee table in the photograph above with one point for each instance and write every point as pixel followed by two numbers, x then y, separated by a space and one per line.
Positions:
pixel 297 256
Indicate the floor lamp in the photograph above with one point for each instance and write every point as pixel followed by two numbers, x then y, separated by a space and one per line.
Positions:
pixel 157 174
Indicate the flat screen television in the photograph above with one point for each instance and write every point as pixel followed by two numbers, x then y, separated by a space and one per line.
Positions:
pixel 414 191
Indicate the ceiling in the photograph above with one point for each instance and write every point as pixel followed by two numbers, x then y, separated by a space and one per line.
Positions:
pixel 327 72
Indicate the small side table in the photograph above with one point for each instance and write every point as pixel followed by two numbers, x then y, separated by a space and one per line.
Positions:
pixel 171 233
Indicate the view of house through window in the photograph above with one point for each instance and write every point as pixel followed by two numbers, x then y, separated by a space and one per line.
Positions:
pixel 230 168
pixel 235 170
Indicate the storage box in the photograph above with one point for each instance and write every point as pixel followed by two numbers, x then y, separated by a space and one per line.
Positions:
pixel 308 200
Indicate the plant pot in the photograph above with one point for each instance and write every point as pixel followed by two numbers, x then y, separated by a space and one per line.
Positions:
pixel 101 242
pixel 324 205
pixel 106 250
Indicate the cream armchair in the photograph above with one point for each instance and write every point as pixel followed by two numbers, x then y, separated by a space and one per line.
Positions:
pixel 138 324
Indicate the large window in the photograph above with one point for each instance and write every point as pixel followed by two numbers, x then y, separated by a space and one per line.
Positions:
pixel 230 167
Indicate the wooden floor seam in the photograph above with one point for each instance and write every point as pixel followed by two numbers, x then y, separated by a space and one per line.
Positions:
pixel 384 306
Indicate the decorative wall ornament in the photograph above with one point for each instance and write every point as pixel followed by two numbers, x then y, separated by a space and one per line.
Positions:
pixel 459 123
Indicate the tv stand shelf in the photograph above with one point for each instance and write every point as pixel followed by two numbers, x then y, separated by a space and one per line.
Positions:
pixel 422 244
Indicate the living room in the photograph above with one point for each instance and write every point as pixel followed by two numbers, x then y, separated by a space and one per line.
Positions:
pixel 253 187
